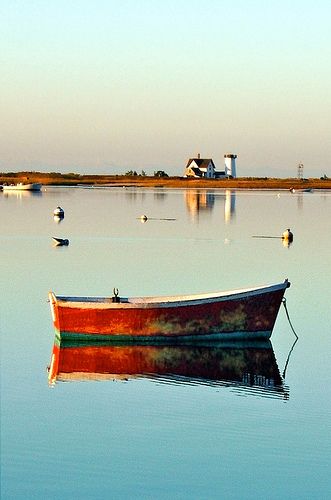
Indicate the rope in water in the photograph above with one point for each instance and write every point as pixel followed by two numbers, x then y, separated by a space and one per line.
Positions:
pixel 296 337
pixel 288 357
pixel 288 316
pixel 270 237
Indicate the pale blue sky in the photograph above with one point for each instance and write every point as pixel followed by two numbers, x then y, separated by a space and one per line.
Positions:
pixel 105 86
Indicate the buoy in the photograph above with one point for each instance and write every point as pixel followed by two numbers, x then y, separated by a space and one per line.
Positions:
pixel 143 218
pixel 58 212
pixel 286 243
pixel 287 235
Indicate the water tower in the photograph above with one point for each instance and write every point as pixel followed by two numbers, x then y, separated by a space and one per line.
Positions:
pixel 230 165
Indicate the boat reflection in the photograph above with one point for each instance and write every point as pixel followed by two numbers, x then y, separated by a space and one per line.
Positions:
pixel 245 367
pixel 20 195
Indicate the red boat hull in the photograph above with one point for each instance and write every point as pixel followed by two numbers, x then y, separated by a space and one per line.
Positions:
pixel 240 315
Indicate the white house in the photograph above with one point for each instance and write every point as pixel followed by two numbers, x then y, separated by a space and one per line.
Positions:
pixel 200 167
pixel 205 168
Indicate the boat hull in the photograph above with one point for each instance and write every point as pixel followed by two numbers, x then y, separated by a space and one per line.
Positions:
pixel 174 338
pixel 239 315
pixel 23 187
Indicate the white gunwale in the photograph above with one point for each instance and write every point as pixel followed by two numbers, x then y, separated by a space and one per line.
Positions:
pixel 162 301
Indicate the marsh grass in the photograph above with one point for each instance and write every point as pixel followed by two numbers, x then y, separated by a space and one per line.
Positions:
pixel 73 179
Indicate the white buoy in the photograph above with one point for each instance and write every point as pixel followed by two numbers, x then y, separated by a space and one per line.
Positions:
pixel 58 212
pixel 287 235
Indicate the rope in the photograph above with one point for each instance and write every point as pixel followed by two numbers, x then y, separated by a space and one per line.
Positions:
pixel 296 337
pixel 272 237
pixel 288 357
pixel 288 316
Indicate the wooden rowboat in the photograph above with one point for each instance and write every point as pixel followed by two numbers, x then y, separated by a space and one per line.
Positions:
pixel 240 314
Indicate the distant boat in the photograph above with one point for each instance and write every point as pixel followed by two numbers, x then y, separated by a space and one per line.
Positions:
pixel 237 314
pixel 34 186
pixel 250 367
pixel 306 190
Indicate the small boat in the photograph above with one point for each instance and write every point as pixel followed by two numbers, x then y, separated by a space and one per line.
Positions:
pixel 305 190
pixel 58 212
pixel 249 367
pixel 60 241
pixel 236 314
pixel 34 186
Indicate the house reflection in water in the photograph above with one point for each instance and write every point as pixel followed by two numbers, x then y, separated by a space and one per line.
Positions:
pixel 203 200
pixel 244 367
pixel 197 201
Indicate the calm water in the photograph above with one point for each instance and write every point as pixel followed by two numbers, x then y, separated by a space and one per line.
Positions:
pixel 203 422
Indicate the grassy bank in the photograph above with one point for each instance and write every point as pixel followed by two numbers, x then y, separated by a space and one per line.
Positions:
pixel 72 179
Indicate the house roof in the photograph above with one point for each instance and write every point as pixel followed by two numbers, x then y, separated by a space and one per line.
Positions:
pixel 200 162
pixel 196 171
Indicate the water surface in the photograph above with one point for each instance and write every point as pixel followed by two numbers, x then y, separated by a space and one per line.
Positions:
pixel 200 422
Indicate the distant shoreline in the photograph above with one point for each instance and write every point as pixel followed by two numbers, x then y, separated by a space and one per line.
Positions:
pixel 58 179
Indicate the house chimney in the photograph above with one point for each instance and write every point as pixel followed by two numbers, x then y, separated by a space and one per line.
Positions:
pixel 198 156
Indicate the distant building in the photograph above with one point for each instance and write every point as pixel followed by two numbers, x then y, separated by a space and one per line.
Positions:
pixel 200 167
pixel 230 165
pixel 205 168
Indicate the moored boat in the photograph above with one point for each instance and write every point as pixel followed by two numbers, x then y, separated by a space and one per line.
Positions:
pixel 20 186
pixel 238 314
pixel 306 190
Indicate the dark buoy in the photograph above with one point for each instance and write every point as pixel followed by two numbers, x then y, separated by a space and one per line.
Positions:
pixel 60 241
